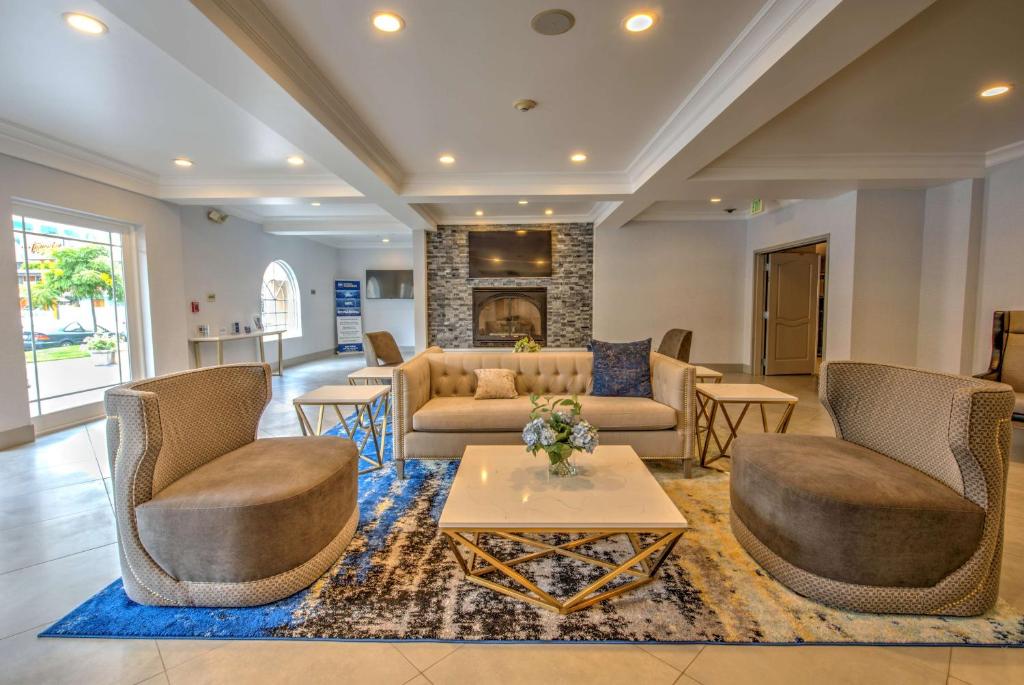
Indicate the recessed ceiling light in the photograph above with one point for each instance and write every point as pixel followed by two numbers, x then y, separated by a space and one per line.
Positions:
pixel 388 22
pixel 549 212
pixel 479 212
pixel 578 157
pixel 183 162
pixel 85 23
pixel 524 202
pixel 996 90
pixel 446 159
pixel 315 204
pixel 639 22
pixel 715 200
pixel 295 160
pixel 385 240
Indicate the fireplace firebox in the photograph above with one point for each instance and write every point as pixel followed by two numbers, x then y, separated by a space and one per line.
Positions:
pixel 501 316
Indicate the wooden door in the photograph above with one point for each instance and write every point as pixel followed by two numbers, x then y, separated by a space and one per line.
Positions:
pixel 791 326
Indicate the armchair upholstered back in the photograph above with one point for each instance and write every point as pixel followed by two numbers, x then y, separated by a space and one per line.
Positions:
pixel 380 348
pixel 1007 364
pixel 937 423
pixel 676 344
pixel 169 426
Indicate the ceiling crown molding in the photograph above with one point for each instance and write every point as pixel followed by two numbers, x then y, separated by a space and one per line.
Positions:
pixel 773 31
pixel 319 185
pixel 438 187
pixel 845 166
pixel 33 146
pixel 1004 154
pixel 294 71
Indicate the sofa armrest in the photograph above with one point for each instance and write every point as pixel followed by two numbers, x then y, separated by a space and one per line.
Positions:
pixel 673 383
pixel 410 390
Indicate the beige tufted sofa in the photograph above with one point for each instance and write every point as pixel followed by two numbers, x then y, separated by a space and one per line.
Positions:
pixel 436 417
pixel 207 515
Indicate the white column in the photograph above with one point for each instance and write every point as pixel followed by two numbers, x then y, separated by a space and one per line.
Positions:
pixel 949 276
pixel 419 287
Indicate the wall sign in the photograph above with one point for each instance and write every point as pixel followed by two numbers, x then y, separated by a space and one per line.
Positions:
pixel 348 313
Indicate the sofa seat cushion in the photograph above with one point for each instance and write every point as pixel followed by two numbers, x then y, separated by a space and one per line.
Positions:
pixel 844 512
pixel 260 510
pixel 465 414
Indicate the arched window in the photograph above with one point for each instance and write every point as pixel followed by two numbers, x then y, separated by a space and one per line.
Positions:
pixel 279 299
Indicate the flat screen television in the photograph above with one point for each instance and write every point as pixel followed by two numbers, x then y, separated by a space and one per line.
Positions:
pixel 501 254
pixel 384 284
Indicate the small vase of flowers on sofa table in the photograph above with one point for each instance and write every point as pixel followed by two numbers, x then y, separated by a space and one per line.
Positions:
pixel 558 428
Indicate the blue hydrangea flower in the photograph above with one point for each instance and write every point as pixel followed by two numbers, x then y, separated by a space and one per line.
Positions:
pixel 583 437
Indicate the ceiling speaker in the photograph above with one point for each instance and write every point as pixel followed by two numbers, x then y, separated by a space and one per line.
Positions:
pixel 553 22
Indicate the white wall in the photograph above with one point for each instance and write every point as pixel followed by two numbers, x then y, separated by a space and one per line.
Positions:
pixel 229 259
pixel 887 276
pixel 394 316
pixel 160 260
pixel 835 218
pixel 949 267
pixel 650 277
pixel 1001 266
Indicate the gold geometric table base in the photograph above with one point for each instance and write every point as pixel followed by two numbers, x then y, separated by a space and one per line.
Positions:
pixel 367 416
pixel 643 565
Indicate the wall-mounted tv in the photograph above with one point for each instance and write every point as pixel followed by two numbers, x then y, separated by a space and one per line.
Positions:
pixel 503 254
pixel 384 284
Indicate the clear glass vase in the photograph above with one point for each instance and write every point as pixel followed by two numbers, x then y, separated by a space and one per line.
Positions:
pixel 563 468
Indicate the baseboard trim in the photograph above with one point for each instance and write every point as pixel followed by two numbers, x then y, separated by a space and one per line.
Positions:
pixel 726 368
pixel 17 436
pixel 302 359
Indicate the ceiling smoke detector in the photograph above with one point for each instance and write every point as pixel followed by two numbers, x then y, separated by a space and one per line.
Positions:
pixel 524 105
pixel 553 22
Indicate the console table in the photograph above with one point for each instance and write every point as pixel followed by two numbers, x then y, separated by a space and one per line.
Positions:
pixel 258 336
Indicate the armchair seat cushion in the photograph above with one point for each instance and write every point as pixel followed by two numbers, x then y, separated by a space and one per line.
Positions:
pixel 844 512
pixel 465 414
pixel 255 512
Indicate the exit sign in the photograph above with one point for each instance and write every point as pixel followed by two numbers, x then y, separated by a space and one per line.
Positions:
pixel 756 206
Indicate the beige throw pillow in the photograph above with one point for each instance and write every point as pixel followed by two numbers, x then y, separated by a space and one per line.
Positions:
pixel 495 384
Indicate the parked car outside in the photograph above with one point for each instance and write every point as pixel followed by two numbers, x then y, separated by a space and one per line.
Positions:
pixel 68 335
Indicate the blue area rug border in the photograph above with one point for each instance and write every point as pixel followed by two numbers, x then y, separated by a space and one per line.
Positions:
pixel 109 614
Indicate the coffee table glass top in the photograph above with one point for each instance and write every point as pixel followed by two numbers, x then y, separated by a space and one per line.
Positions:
pixel 504 487
pixel 342 394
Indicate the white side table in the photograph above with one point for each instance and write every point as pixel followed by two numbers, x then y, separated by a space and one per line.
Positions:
pixel 364 399
pixel 714 397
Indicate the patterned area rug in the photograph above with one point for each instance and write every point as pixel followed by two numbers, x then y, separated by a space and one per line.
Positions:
pixel 398 581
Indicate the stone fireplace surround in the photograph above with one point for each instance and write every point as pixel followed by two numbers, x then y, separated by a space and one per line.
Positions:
pixel 569 288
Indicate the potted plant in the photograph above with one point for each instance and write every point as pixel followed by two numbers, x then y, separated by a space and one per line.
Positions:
pixel 526 344
pixel 558 428
pixel 101 348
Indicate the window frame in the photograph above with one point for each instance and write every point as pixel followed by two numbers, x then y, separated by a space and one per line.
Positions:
pixel 293 301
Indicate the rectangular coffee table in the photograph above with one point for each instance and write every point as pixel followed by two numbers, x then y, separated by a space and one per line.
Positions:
pixel 369 403
pixel 504 492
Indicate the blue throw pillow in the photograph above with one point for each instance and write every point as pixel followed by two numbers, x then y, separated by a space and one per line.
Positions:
pixel 622 369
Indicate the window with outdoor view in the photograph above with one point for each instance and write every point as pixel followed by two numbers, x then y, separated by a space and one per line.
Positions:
pixel 73 315
pixel 279 299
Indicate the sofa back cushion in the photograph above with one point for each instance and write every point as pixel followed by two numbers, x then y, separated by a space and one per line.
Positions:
pixel 552 373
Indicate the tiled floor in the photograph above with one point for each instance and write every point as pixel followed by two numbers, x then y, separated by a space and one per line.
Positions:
pixel 57 547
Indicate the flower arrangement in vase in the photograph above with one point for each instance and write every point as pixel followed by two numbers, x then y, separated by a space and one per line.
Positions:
pixel 558 428
pixel 526 344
